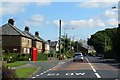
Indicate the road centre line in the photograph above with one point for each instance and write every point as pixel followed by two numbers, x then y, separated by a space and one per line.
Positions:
pixel 94 70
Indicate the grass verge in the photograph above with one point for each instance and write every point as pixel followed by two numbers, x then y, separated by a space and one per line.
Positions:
pixel 25 72
pixel 17 63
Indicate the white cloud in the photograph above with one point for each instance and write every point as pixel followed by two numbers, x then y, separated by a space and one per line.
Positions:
pixel 112 23
pixel 43 2
pixel 35 20
pixel 110 14
pixel 12 8
pixel 16 7
pixel 97 4
pixel 90 23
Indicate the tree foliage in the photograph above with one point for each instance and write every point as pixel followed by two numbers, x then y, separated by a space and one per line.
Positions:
pixel 116 44
pixel 102 40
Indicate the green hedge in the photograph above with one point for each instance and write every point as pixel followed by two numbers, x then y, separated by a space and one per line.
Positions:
pixel 42 57
pixel 12 57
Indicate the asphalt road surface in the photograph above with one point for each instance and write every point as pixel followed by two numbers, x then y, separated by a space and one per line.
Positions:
pixel 90 68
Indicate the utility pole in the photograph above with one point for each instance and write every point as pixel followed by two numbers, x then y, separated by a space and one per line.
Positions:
pixel 60 37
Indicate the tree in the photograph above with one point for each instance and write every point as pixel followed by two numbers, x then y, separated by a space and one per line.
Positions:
pixel 102 40
pixel 116 44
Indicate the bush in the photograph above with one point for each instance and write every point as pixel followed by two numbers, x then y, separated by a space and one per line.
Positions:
pixel 42 57
pixel 10 57
pixel 23 57
pixel 8 73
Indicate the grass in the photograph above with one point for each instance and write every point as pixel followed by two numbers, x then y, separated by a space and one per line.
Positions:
pixel 25 72
pixel 17 63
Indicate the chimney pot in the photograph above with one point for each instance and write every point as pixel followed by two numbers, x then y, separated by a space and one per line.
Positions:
pixel 37 33
pixel 27 28
pixel 11 21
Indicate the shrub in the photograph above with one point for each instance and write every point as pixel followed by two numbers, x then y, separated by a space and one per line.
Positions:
pixel 10 57
pixel 23 57
pixel 42 57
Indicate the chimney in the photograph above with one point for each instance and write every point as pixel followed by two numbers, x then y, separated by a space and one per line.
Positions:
pixel 37 33
pixel 11 21
pixel 119 25
pixel 49 41
pixel 26 28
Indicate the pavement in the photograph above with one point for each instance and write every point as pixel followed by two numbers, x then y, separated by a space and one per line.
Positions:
pixel 91 68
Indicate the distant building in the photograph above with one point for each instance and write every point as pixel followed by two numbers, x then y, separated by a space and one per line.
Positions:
pixel 54 46
pixel 91 49
pixel 14 40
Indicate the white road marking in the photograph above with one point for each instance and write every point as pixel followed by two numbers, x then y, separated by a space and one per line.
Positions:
pixel 98 76
pixel 51 74
pixel 44 71
pixel 80 74
pixel 92 67
pixel 57 74
pixel 72 74
pixel 41 73
pixel 33 77
pixel 37 75
pixel 94 70
pixel 66 73
pixel 51 69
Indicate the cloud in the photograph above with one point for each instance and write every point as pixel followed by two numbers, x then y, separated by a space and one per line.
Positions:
pixel 35 20
pixel 97 4
pixel 112 22
pixel 43 2
pixel 12 8
pixel 17 7
pixel 90 23
pixel 110 14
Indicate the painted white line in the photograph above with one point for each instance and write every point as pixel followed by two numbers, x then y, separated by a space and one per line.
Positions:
pixel 33 77
pixel 41 73
pixel 92 67
pixel 72 74
pixel 37 75
pixel 66 74
pixel 50 69
pixel 57 74
pixel 94 70
pixel 44 71
pixel 98 76
pixel 51 74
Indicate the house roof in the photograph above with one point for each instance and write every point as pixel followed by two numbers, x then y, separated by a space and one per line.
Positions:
pixel 32 36
pixel 54 43
pixel 41 39
pixel 9 29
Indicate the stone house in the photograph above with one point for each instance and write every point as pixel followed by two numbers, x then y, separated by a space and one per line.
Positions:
pixel 14 40
pixel 36 42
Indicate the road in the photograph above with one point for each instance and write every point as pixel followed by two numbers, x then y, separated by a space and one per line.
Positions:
pixel 91 68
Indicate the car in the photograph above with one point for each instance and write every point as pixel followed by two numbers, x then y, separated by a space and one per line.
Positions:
pixel 78 57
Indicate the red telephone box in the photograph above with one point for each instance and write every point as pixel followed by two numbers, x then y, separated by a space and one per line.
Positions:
pixel 34 54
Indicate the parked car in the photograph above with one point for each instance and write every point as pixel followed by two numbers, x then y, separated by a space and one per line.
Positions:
pixel 78 57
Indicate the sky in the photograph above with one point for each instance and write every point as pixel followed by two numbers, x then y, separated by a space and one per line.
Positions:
pixel 79 18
